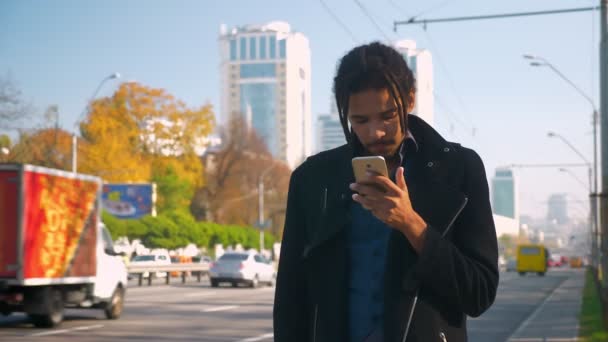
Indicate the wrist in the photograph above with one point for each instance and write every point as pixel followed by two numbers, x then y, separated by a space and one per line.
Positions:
pixel 414 230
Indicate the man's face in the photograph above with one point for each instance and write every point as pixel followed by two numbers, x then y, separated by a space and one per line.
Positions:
pixel 374 118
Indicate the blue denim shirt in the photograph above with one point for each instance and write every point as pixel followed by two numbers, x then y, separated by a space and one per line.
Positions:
pixel 367 240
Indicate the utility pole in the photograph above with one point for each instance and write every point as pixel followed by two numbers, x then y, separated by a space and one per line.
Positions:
pixel 261 212
pixel 603 195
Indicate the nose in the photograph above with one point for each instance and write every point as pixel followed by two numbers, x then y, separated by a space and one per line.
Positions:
pixel 377 130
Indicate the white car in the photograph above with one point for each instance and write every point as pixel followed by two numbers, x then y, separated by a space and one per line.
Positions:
pixel 242 267
pixel 151 259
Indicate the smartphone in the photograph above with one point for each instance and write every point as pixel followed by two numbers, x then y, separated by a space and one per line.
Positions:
pixel 374 164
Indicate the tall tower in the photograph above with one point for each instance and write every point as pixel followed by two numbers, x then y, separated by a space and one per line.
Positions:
pixel 265 78
pixel 504 194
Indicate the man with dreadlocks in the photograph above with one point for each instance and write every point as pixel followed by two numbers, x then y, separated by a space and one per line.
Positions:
pixel 399 259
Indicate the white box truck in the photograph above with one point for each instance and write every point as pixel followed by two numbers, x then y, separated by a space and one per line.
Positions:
pixel 54 250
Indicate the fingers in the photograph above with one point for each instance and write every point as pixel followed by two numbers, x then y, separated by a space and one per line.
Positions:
pixel 365 202
pixel 400 178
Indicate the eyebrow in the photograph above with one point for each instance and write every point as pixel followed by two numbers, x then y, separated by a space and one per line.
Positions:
pixel 361 116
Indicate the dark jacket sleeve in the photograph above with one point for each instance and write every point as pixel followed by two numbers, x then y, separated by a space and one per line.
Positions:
pixel 290 318
pixel 463 271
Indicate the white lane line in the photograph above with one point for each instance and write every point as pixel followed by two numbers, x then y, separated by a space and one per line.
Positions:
pixel 536 312
pixel 258 338
pixel 63 331
pixel 221 308
pixel 545 339
pixel 199 294
pixel 90 327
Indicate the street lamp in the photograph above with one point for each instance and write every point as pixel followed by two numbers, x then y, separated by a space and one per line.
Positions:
pixel 261 222
pixel 538 61
pixel 592 210
pixel 586 186
pixel 74 137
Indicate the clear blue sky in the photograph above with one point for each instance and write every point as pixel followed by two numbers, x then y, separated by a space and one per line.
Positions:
pixel 58 51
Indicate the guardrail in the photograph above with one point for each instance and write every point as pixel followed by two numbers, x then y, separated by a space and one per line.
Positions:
pixel 197 269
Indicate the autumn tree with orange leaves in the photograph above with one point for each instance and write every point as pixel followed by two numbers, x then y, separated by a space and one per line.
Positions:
pixel 142 134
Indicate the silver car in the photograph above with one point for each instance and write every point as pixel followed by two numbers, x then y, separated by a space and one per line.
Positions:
pixel 237 268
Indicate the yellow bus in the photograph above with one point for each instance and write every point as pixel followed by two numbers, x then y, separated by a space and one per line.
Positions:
pixel 532 258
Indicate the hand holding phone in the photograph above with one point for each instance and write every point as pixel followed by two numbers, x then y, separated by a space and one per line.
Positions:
pixel 369 164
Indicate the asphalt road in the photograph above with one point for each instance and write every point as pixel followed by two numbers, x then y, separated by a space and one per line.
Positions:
pixel 196 312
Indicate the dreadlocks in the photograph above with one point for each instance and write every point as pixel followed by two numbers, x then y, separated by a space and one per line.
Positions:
pixel 373 66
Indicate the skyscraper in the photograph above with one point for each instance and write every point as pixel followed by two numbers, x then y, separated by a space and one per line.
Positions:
pixel 329 132
pixel 558 209
pixel 421 63
pixel 265 76
pixel 504 194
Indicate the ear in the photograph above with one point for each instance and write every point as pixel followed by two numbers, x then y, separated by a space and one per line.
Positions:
pixel 411 101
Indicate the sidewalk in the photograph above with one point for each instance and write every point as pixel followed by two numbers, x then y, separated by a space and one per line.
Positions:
pixel 557 318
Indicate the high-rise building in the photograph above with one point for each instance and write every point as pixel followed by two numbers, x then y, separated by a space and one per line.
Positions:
pixel 558 209
pixel 420 61
pixel 265 76
pixel 504 194
pixel 329 132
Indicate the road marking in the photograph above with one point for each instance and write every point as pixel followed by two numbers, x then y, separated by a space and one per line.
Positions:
pixel 63 331
pixel 535 313
pixel 199 294
pixel 221 308
pixel 545 339
pixel 258 338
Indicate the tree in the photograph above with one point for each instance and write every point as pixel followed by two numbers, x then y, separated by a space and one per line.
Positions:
pixel 233 171
pixel 174 193
pixel 44 147
pixel 13 108
pixel 145 134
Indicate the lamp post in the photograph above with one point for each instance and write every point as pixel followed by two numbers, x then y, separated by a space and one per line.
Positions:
pixel 592 210
pixel 538 61
pixel 261 222
pixel 586 186
pixel 74 137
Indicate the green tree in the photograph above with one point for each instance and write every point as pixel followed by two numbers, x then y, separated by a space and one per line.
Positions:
pixel 173 191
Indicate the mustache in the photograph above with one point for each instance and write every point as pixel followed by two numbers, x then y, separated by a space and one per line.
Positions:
pixel 381 143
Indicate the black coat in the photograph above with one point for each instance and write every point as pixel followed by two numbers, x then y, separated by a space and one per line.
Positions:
pixel 456 273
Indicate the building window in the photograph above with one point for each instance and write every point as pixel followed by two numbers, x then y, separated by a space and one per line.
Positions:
pixel 258 106
pixel 262 47
pixel 252 48
pixel 258 70
pixel 233 49
pixel 282 48
pixel 273 47
pixel 243 48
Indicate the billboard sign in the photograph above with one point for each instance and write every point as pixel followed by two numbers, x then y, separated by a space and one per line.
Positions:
pixel 129 201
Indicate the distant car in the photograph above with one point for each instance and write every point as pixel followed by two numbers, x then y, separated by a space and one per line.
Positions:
pixel 555 260
pixel 502 263
pixel 511 265
pixel 576 262
pixel 242 267
pixel 151 259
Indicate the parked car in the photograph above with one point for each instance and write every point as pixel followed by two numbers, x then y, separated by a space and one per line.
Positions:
pixel 242 267
pixel 151 259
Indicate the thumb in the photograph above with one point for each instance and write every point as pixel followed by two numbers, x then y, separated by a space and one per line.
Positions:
pixel 400 178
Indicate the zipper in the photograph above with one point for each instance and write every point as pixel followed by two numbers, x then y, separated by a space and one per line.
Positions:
pixel 314 327
pixel 321 221
pixel 415 301
pixel 442 337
